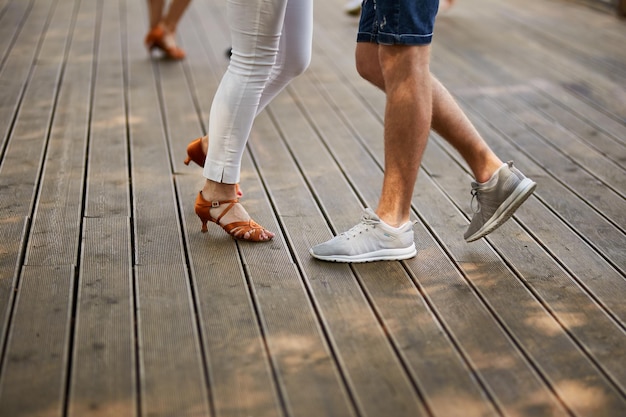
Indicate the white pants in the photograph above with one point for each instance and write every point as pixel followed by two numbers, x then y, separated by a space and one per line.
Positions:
pixel 271 44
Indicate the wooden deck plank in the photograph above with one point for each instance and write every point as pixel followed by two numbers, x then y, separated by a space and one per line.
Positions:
pixel 552 136
pixel 107 188
pixel 296 345
pixel 34 373
pixel 179 110
pixel 21 162
pixel 170 365
pixel 12 17
pixel 580 33
pixel 104 378
pixel 50 392
pixel 16 67
pixel 589 268
pixel 585 111
pixel 249 387
pixel 554 111
pixel 529 55
pixel 55 232
pixel 33 119
pixel 527 47
pixel 547 71
pixel 12 231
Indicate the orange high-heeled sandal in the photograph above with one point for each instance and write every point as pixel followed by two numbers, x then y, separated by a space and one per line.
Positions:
pixel 196 154
pixel 157 38
pixel 236 229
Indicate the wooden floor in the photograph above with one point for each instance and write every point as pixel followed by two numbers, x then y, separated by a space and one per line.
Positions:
pixel 113 303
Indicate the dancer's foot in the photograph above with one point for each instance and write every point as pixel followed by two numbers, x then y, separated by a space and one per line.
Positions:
pixel 231 216
pixel 161 38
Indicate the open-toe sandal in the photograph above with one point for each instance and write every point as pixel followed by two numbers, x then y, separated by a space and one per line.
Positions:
pixel 237 230
pixel 159 38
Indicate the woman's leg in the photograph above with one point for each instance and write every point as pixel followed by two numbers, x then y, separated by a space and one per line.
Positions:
pixel 294 52
pixel 155 11
pixel 255 34
pixel 174 13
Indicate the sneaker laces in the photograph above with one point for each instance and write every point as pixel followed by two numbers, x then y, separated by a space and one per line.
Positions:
pixel 363 226
pixel 475 207
pixel 475 202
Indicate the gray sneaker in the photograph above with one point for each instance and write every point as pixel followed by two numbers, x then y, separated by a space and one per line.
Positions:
pixel 497 200
pixel 368 241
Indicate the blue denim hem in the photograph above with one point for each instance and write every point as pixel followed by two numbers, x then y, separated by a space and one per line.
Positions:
pixel 393 39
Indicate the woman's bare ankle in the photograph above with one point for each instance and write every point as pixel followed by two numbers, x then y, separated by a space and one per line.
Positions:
pixel 217 191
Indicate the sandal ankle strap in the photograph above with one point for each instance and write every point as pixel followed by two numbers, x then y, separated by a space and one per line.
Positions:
pixel 216 204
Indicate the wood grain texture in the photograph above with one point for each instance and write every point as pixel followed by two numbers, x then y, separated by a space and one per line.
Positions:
pixel 113 303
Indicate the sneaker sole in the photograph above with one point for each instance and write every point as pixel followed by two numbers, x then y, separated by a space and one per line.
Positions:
pixel 506 210
pixel 379 255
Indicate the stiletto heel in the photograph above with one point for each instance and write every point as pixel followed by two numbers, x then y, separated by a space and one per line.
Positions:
pixel 237 230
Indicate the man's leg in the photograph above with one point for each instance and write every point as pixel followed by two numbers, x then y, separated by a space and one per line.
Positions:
pixel 387 234
pixel 499 189
pixel 447 117
pixel 397 61
pixel 408 114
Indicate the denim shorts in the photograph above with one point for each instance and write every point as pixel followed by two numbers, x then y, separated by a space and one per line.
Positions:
pixel 397 22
